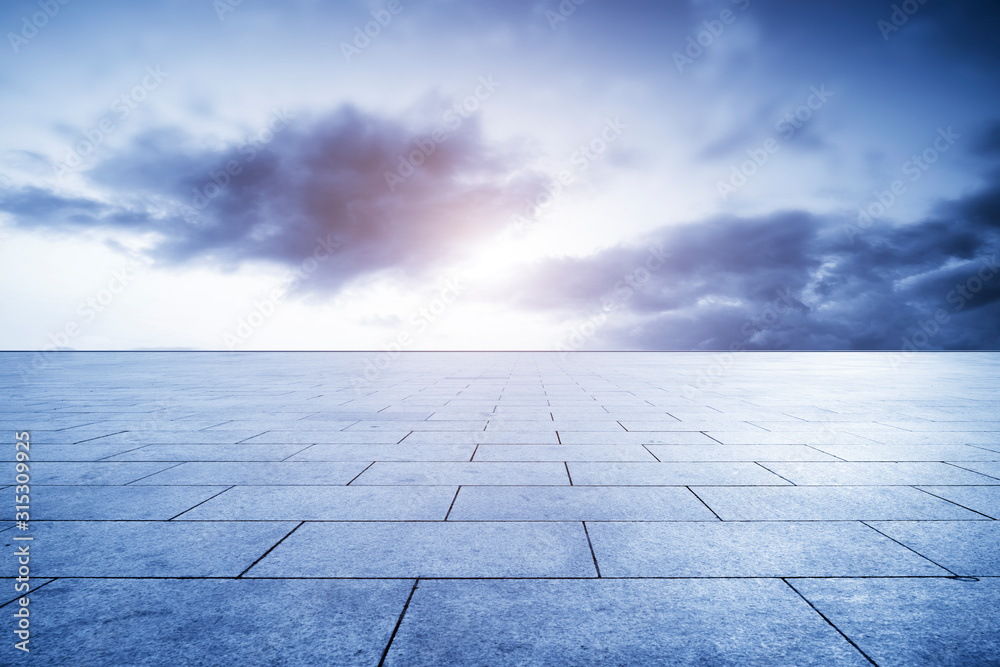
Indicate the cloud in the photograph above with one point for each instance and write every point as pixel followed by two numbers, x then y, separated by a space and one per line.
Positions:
pixel 383 194
pixel 789 280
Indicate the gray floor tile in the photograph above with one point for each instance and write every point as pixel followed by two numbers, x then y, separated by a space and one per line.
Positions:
pixel 454 474
pixel 906 622
pixel 402 452
pixel 300 436
pixel 326 503
pixel 967 548
pixel 829 503
pixel 431 550
pixel 671 474
pixel 88 473
pixel 990 468
pixel 738 453
pixel 640 438
pixel 563 453
pixel 757 549
pixel 605 622
pixel 483 437
pixel 146 548
pixel 878 474
pixel 85 452
pixel 78 503
pixel 258 474
pixel 214 622
pixel 909 452
pixel 577 503
pixel 985 499
pixel 209 453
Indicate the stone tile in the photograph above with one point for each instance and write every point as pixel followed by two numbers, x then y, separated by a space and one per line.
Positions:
pixel 402 452
pixel 304 437
pixel 177 437
pixel 577 503
pixel 85 452
pixel 787 438
pixel 991 468
pixel 756 549
pixel 909 452
pixel 563 453
pixel 671 474
pixel 829 503
pixel 132 503
pixel 146 548
pixel 878 474
pixel 454 474
pixel 90 473
pixel 641 438
pixel 209 453
pixel 985 499
pixel 967 548
pixel 936 438
pixel 547 437
pixel 215 622
pixel 606 622
pixel 905 622
pixel 738 453
pixel 326 503
pixel 431 549
pixel 258 474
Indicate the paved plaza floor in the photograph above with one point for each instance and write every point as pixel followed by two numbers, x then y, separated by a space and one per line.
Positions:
pixel 505 508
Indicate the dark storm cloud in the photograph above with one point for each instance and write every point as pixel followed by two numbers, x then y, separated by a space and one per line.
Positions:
pixel 380 194
pixel 792 281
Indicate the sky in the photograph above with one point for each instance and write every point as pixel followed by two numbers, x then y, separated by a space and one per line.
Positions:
pixel 519 175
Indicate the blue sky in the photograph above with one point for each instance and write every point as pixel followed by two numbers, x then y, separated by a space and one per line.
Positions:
pixel 432 174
